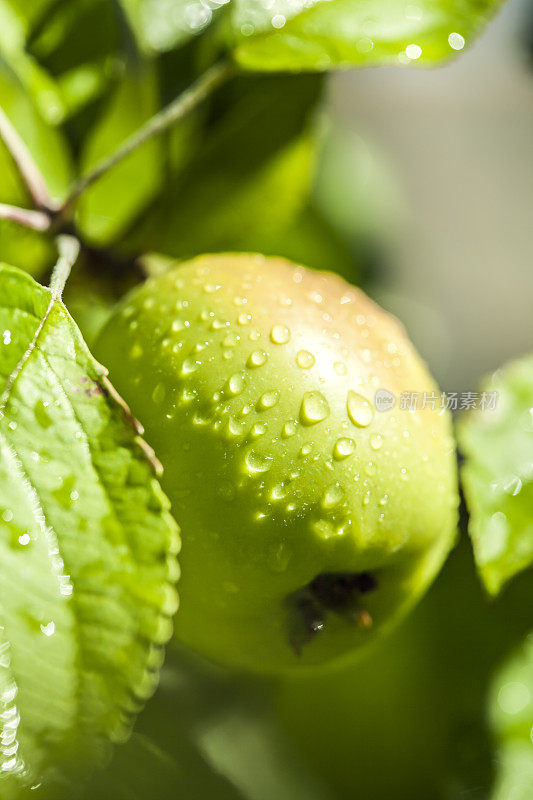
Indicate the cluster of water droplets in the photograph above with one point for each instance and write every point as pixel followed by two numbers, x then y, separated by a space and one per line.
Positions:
pixel 235 409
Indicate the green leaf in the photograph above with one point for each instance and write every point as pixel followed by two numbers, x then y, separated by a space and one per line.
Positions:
pixel 79 43
pixel 329 34
pixel 498 474
pixel 107 207
pixel 511 714
pixel 251 174
pixel 87 550
pixel 29 250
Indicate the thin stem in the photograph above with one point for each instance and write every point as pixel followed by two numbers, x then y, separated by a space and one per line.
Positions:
pixel 68 248
pixel 175 111
pixel 37 220
pixel 26 166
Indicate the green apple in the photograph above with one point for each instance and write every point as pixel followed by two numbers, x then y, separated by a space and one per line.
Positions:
pixel 310 518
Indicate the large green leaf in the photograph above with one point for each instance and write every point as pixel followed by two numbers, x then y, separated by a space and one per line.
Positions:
pixel 498 473
pixel 80 44
pixel 87 550
pixel 328 34
pixel 511 713
pixel 63 52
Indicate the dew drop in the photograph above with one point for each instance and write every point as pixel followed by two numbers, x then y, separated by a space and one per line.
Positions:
pixel 257 430
pixel 189 366
pixel 268 400
pixel 314 408
pixel 279 491
pixel 288 430
pixel 305 359
pixel 257 359
pixel 235 384
pixel 233 427
pixel 376 440
pixel 257 463
pixel 280 334
pixel 359 410
pixel 48 629
pixel 136 351
pixel 332 496
pixel 340 367
pixel 231 340
pixel 344 447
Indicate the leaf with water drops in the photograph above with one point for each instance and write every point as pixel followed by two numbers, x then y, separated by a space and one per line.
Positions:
pixel 511 715
pixel 329 34
pixel 497 441
pixel 87 550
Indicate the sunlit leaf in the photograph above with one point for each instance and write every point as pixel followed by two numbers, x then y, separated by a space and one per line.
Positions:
pixel 498 473
pixel 329 34
pixel 87 551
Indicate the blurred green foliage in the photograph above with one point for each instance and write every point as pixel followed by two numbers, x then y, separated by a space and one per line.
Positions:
pixel 498 476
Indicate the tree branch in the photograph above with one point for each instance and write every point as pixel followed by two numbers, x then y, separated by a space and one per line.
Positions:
pixel 26 166
pixel 37 220
pixel 164 119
